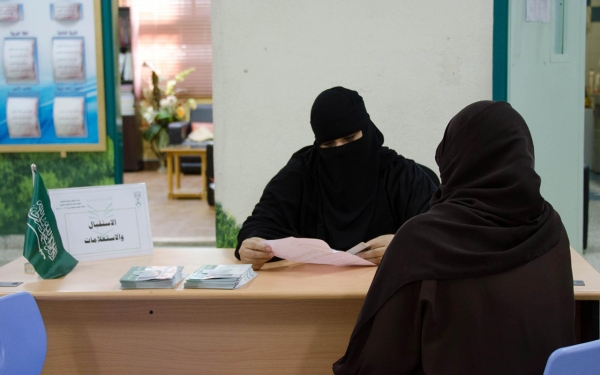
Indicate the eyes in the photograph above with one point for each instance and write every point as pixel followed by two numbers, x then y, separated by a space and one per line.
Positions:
pixel 342 141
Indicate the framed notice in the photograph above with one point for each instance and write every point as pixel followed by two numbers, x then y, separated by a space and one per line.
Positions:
pixel 52 76
pixel 103 222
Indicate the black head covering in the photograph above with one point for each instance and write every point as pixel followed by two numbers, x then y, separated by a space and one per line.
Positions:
pixel 347 175
pixel 486 217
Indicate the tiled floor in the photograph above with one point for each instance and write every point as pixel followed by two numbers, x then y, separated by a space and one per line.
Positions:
pixel 176 221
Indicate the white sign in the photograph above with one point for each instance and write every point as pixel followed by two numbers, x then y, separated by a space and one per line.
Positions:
pixel 538 11
pixel 103 222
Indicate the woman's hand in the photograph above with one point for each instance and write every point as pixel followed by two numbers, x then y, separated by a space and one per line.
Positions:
pixel 254 251
pixel 377 247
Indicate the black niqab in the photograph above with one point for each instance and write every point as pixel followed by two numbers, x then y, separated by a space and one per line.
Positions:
pixel 348 175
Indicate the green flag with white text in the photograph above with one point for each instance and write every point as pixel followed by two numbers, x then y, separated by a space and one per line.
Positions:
pixel 43 246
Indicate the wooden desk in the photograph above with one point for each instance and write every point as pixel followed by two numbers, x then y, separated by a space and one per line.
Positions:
pixel 292 319
pixel 587 317
pixel 173 155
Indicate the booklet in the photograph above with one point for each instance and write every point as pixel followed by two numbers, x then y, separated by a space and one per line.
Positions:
pixel 226 276
pixel 152 277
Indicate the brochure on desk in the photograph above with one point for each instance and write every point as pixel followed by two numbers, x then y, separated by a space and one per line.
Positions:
pixel 49 75
pixel 103 222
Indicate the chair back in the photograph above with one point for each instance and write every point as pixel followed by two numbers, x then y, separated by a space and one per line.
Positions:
pixel 202 113
pixel 581 359
pixel 22 335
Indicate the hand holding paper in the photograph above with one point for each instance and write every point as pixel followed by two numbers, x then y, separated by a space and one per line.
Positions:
pixel 311 250
pixel 256 252
pixel 376 248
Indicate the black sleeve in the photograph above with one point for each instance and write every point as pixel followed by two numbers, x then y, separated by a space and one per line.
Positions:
pixel 409 189
pixel 277 213
pixel 390 343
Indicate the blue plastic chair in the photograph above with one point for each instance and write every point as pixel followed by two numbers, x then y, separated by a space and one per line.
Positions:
pixel 22 335
pixel 581 359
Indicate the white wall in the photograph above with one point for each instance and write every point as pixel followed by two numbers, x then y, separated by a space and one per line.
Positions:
pixel 416 64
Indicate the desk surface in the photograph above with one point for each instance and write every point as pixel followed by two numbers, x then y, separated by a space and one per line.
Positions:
pixel 183 149
pixel 582 270
pixel 279 280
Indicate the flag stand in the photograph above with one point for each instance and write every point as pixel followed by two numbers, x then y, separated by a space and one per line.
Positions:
pixel 33 169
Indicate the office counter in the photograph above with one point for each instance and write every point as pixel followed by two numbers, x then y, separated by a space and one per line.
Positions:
pixel 292 319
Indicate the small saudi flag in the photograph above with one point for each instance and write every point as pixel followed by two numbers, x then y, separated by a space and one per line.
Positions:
pixel 43 246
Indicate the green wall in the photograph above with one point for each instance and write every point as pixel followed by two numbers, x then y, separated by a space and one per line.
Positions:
pixel 77 169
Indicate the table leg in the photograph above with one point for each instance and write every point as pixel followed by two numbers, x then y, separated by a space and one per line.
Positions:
pixel 204 182
pixel 177 171
pixel 170 174
pixel 588 313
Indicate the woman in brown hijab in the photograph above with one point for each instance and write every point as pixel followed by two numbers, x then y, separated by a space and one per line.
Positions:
pixel 482 283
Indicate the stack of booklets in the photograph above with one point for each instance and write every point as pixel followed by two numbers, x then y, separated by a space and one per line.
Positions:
pixel 152 277
pixel 228 276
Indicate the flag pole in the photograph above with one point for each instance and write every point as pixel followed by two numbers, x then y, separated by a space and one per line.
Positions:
pixel 33 169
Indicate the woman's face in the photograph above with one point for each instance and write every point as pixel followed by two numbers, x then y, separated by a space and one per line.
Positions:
pixel 343 140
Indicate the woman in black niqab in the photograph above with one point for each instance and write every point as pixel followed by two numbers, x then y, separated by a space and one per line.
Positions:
pixel 466 278
pixel 355 192
pixel 348 183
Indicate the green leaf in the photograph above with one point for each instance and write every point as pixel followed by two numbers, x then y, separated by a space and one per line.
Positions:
pixel 151 133
pixel 164 114
pixel 179 77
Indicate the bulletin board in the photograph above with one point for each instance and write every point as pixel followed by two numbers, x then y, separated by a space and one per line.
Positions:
pixel 51 76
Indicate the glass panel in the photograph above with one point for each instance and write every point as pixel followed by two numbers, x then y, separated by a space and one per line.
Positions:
pixel 559 29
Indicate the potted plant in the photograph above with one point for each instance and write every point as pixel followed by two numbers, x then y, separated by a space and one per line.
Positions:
pixel 159 107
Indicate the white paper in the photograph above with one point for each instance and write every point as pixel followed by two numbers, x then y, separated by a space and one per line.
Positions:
pixel 357 248
pixel 68 115
pixel 312 250
pixel 22 117
pixel 66 11
pixel 538 11
pixel 103 222
pixel 67 59
pixel 9 12
pixel 19 60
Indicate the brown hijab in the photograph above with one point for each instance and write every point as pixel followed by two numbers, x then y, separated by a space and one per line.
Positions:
pixel 487 216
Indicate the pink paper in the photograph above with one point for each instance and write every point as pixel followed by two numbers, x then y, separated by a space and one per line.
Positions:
pixel 311 250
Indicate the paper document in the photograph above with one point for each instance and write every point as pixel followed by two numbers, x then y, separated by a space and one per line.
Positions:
pixel 357 248
pixel 68 114
pixel 22 117
pixel 312 250
pixel 67 59
pixel 66 11
pixel 19 60
pixel 10 12
pixel 538 11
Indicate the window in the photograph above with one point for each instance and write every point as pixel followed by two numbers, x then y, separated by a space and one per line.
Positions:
pixel 172 36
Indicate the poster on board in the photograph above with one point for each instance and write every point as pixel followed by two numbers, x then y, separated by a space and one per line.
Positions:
pixel 51 79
